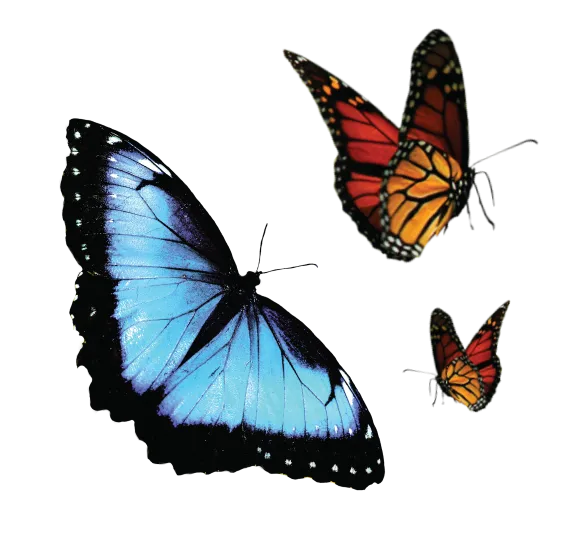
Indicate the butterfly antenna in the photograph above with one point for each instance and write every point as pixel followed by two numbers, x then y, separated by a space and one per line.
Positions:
pixel 498 153
pixel 470 219
pixel 504 150
pixel 490 184
pixel 260 250
pixel 289 267
pixel 419 371
pixel 483 207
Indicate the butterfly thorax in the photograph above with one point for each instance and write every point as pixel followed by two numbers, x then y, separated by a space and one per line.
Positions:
pixel 422 189
pixel 245 280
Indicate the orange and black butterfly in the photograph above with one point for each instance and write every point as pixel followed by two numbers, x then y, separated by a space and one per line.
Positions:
pixel 401 186
pixel 468 376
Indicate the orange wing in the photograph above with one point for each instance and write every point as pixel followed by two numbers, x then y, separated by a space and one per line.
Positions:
pixel 418 197
pixel 463 383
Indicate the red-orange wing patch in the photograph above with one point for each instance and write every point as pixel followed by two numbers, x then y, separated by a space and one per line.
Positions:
pixel 366 141
pixel 446 345
pixel 482 350
pixel 436 107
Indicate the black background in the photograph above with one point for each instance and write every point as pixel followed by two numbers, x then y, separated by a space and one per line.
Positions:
pixel 246 135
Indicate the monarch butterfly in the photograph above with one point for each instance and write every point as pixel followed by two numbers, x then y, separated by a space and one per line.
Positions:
pixel 468 376
pixel 401 186
pixel 191 329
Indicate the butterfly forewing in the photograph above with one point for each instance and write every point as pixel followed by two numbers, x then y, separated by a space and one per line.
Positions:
pixel 436 108
pixel 482 353
pixel 365 139
pixel 141 237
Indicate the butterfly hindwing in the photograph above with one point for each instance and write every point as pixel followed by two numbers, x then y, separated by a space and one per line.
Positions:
pixel 271 391
pixel 365 139
pixel 417 199
pixel 464 383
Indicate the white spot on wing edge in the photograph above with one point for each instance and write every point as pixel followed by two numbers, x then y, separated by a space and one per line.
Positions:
pixel 368 432
pixel 149 165
pixel 113 139
pixel 164 168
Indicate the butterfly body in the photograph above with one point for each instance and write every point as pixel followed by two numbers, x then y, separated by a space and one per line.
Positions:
pixel 468 376
pixel 373 152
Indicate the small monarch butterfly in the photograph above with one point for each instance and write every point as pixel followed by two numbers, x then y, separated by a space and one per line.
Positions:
pixel 401 186
pixel 468 376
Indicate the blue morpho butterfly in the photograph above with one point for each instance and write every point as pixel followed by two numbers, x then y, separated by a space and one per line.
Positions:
pixel 215 376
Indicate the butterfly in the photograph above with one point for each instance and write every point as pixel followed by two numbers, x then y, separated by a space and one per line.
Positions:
pixel 401 186
pixel 215 376
pixel 468 376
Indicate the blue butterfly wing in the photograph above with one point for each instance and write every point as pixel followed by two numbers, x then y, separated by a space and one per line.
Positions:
pixel 266 392
pixel 155 265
